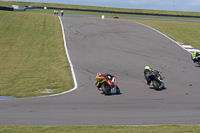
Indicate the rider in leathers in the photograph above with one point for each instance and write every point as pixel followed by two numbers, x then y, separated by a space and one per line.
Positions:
pixel 194 56
pixel 147 72
pixel 108 76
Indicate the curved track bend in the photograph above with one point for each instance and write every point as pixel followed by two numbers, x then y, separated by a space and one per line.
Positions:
pixel 122 49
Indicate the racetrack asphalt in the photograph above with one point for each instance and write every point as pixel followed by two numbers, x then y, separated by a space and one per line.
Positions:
pixel 122 49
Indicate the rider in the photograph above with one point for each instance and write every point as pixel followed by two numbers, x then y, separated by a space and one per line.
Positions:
pixel 147 72
pixel 109 76
pixel 62 12
pixel 194 55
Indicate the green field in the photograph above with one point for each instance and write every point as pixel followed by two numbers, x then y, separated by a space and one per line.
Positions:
pixel 32 55
pixel 101 129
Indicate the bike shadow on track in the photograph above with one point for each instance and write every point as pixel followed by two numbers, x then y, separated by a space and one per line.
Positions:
pixel 112 94
pixel 151 87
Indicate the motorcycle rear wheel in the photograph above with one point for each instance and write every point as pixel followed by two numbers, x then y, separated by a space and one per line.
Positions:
pixel 106 89
pixel 156 84
pixel 198 63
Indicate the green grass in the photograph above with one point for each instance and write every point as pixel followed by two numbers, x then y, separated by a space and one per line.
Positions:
pixel 32 55
pixel 101 129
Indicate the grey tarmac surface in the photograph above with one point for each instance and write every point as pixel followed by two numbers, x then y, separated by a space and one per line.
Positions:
pixel 181 20
pixel 122 49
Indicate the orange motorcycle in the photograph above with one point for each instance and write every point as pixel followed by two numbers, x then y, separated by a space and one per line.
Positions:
pixel 108 85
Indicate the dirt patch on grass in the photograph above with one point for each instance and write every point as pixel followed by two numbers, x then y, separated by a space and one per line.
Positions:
pixel 181 43
pixel 47 91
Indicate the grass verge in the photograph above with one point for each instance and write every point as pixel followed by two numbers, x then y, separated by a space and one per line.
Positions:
pixel 101 129
pixel 32 55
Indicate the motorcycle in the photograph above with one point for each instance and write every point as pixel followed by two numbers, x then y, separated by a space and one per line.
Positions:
pixel 108 85
pixel 155 78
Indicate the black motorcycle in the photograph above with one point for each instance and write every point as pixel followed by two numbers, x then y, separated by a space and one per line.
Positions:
pixel 156 80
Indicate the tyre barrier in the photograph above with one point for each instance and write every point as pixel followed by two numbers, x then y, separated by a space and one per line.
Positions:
pixel 6 8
